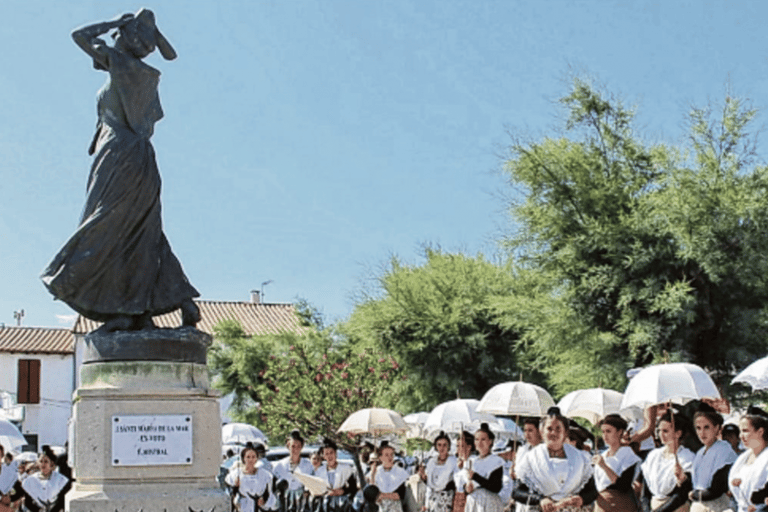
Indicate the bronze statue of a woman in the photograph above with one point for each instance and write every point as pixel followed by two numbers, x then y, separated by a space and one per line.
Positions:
pixel 118 267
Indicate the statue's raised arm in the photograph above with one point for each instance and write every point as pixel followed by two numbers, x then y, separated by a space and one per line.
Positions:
pixel 118 267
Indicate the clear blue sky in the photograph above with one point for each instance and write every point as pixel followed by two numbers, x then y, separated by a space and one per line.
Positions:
pixel 307 141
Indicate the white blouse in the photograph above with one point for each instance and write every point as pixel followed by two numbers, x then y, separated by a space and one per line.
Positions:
pixel 753 478
pixel 659 469
pixel 619 462
pixel 255 485
pixel 283 470
pixel 708 461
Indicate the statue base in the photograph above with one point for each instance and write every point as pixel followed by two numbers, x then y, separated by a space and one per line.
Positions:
pixel 146 434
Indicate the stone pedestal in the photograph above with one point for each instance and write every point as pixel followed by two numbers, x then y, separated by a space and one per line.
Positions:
pixel 118 388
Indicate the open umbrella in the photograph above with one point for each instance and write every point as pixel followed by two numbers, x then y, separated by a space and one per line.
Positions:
pixel 374 421
pixel 10 436
pixel 591 404
pixel 241 433
pixel 415 422
pixel 455 416
pixel 504 428
pixel 516 399
pixel 669 383
pixel 756 375
pixel 674 382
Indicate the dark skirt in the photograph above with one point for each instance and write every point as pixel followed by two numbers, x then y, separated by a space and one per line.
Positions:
pixel 459 501
pixel 611 500
pixel 119 261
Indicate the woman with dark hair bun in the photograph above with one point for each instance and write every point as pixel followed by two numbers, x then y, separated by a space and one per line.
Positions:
pixel 292 494
pixel 666 471
pixel 749 474
pixel 464 448
pixel 251 485
pixel 485 475
pixel 615 468
pixel 438 476
pixel 389 479
pixel 43 489
pixel 342 484
pixel 555 475
pixel 712 463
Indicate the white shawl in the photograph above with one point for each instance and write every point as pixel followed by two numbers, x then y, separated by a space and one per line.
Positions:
pixel 282 471
pixel 538 472
pixel 619 462
pixel 659 470
pixel 388 480
pixel 9 474
pixel 753 478
pixel 439 475
pixel 337 477
pixel 44 491
pixel 709 461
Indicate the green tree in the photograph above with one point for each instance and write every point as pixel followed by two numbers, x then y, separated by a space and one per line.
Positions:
pixel 310 380
pixel 440 320
pixel 651 248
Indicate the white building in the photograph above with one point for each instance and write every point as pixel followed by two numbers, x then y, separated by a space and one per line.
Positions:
pixel 39 375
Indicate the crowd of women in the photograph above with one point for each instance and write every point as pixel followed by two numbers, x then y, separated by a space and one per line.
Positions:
pixel 551 471
pixel 33 487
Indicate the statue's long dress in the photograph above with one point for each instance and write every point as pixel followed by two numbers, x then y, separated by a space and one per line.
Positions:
pixel 119 262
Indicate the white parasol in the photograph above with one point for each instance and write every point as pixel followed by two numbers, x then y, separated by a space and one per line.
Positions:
pixel 374 421
pixel 10 436
pixel 415 422
pixel 756 375
pixel 669 383
pixel 674 382
pixel 455 416
pixel 504 428
pixel 591 404
pixel 241 433
pixel 516 399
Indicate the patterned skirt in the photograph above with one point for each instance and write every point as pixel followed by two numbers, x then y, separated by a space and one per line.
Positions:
pixel 440 501
pixel 721 504
pixel 390 506
pixel 483 500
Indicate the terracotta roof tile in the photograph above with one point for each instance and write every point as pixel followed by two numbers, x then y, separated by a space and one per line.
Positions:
pixel 37 340
pixel 255 318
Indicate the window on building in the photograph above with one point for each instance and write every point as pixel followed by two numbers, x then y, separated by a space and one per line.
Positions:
pixel 29 381
pixel 31 443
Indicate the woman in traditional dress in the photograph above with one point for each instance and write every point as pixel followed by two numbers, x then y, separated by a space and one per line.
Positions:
pixel 10 486
pixel 438 476
pixel 464 448
pixel 43 490
pixel 292 495
pixel 555 475
pixel 485 475
pixel 118 267
pixel 748 477
pixel 615 468
pixel 251 486
pixel 712 463
pixel 666 472
pixel 389 479
pixel 342 484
